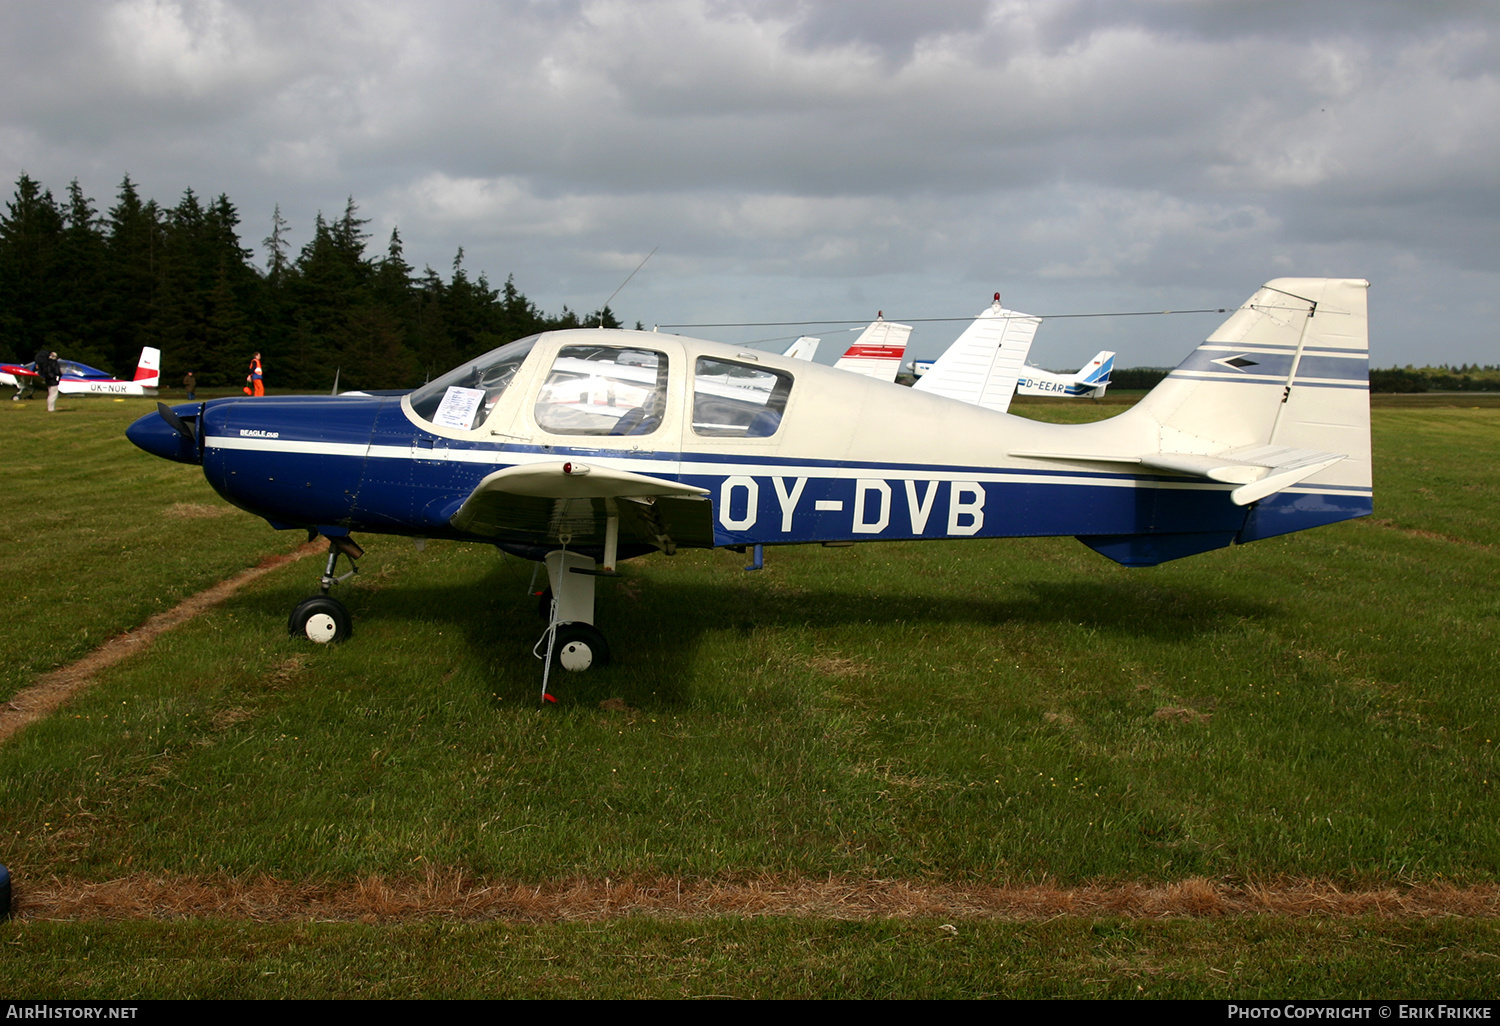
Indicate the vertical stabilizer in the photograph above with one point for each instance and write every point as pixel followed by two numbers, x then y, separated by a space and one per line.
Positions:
pixel 982 365
pixel 1283 383
pixel 1095 374
pixel 148 370
pixel 878 350
pixel 805 348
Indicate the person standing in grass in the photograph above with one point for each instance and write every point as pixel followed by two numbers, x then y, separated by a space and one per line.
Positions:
pixel 190 382
pixel 255 381
pixel 50 371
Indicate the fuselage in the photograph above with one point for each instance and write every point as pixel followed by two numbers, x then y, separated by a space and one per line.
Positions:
pixel 844 458
pixel 1033 382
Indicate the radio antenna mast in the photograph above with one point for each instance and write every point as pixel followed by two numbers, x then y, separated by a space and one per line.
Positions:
pixel 616 292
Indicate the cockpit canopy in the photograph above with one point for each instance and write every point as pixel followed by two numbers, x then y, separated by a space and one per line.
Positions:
pixel 597 386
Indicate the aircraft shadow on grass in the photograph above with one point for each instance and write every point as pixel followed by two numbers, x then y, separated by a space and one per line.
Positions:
pixel 500 622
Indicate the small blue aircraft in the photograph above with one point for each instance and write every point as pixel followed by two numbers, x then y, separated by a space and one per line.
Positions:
pixel 581 448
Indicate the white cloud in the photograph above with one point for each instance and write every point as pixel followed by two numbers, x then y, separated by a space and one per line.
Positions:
pixel 789 151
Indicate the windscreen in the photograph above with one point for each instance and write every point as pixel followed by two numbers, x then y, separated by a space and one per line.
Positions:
pixel 464 397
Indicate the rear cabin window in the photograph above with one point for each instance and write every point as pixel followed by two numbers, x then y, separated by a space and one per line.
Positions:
pixel 604 390
pixel 737 400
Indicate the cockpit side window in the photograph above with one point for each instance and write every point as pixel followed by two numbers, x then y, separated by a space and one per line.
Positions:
pixel 604 390
pixel 464 397
pixel 736 400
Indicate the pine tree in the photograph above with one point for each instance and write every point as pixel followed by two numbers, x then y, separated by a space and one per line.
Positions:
pixel 277 262
pixel 133 247
pixel 30 233
pixel 78 307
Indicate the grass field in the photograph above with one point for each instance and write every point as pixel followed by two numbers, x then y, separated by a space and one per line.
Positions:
pixel 948 717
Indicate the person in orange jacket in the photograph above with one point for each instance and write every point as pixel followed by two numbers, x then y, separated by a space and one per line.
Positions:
pixel 255 381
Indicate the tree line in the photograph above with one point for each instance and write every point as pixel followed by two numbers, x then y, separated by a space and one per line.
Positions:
pixel 97 287
pixel 1469 377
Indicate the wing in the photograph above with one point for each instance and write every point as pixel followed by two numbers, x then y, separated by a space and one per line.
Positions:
pixel 545 503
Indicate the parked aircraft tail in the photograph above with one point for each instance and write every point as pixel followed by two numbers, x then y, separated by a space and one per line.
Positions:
pixel 983 364
pixel 1286 376
pixel 805 348
pixel 148 370
pixel 878 350
pixel 1095 373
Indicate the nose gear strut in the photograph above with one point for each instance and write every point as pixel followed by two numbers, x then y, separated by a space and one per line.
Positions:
pixel 322 618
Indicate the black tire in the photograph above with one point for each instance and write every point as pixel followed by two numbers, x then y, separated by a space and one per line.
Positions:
pixel 320 619
pixel 579 647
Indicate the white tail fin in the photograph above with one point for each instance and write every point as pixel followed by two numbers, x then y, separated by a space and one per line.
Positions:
pixel 148 370
pixel 878 350
pixel 1289 368
pixel 1275 405
pixel 982 366
pixel 805 348
pixel 1278 397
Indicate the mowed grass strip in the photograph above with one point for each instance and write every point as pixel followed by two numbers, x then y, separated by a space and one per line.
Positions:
pixel 458 898
pixel 739 957
pixel 99 535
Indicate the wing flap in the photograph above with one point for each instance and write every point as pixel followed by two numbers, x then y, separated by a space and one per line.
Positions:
pixel 545 502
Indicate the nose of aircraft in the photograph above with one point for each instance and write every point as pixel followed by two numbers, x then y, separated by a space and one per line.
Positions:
pixel 158 436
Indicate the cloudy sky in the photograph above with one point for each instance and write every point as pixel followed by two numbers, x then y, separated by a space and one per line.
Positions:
pixel 795 159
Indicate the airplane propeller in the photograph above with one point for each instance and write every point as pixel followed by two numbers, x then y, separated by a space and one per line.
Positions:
pixel 179 425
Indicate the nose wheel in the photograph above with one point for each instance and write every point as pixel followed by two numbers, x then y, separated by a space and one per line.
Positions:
pixel 323 619
pixel 320 619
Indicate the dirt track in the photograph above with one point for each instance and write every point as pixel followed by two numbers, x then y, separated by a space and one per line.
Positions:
pixel 52 689
pixel 456 897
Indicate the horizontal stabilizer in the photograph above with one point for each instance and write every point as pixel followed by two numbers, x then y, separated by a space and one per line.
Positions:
pixel 1259 470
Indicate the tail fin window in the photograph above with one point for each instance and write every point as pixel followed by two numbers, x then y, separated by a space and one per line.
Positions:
pixel 604 390
pixel 736 400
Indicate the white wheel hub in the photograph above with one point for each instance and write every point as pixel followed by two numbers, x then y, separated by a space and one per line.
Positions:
pixel 321 628
pixel 576 655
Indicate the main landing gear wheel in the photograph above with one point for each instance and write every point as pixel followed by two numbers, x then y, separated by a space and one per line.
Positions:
pixel 321 619
pixel 579 647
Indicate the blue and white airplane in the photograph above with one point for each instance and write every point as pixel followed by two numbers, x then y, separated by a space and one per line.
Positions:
pixel 1088 383
pixel 584 447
